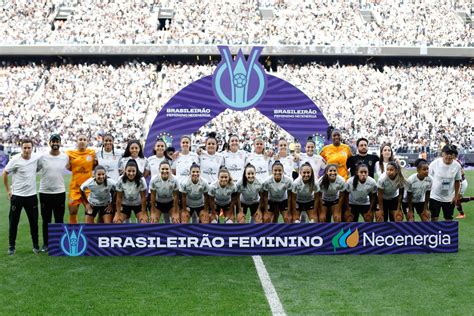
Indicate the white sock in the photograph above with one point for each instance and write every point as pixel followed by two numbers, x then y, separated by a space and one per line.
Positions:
pixel 214 221
pixel 297 221
pixel 228 221
pixel 311 220
pixel 195 218
pixel 304 217
pixel 166 218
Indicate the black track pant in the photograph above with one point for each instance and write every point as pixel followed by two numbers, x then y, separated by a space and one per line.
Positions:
pixel 30 204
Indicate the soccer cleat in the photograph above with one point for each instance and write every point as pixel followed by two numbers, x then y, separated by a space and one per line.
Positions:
pixel 36 250
pixel 11 251
pixel 461 216
pixel 44 248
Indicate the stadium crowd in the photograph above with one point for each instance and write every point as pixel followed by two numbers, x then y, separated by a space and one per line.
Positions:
pixel 298 22
pixel 405 104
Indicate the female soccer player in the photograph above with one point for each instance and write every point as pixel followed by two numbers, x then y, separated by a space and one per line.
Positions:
pixel 235 159
pixel 337 153
pixel 361 192
pixel 164 195
pixel 250 189
pixel 288 161
pixel 417 192
pixel 259 160
pixel 195 196
pixel 131 194
pixel 303 197
pixel 159 155
pixel 332 187
pixel 100 197
pixel 81 164
pixel 210 160
pixel 223 196
pixel 390 193
pixel 186 158
pixel 276 196
pixel 134 150
pixel 386 155
pixel 109 157
pixel 317 162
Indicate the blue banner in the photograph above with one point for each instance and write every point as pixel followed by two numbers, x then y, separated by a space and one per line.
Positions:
pixel 252 239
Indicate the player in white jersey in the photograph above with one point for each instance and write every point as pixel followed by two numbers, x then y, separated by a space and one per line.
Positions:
pixel 390 186
pixel 235 159
pixel 186 158
pixel 159 155
pixel 223 197
pixel 22 193
pixel 361 193
pixel 331 194
pixel 194 194
pixel 164 195
pixel 250 190
pixel 276 196
pixel 52 191
pixel 317 162
pixel 259 160
pixel 417 192
pixel 210 160
pixel 446 175
pixel 303 195
pixel 99 201
pixel 134 150
pixel 288 161
pixel 131 194
pixel 108 157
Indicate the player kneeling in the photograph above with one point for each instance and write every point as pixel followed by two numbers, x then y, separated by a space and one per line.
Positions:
pixel 100 196
pixel 223 197
pixel 361 192
pixel 131 194
pixel 194 195
pixel 164 195
pixel 417 192
pixel 277 195
pixel 303 197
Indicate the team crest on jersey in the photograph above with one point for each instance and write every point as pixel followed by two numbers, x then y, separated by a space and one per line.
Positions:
pixel 88 157
pixel 370 163
pixel 240 83
pixel 166 137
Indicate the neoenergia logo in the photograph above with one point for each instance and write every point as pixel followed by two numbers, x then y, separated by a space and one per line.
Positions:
pixel 73 242
pixel 346 239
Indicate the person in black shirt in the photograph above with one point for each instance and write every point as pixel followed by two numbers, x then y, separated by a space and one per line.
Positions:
pixel 362 156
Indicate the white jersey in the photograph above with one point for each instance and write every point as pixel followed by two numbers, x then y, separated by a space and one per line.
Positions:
pixel 417 187
pixel 131 192
pixel 289 165
pixel 210 165
pixel 164 188
pixel 261 164
pixel 250 194
pixel 316 161
pixel 443 177
pixel 304 193
pixel 182 165
pixel 235 163
pixel 390 188
pixel 99 193
pixel 222 195
pixel 154 163
pixel 110 161
pixel 331 194
pixel 52 170
pixel 277 191
pixel 361 194
pixel 194 192
pixel 141 162
pixel 378 170
pixel 23 174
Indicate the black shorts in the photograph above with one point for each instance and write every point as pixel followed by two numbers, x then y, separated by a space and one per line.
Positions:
pixel 418 207
pixel 99 210
pixel 436 206
pixel 305 206
pixel 253 208
pixel 196 210
pixel 224 208
pixel 127 209
pixel 330 204
pixel 357 210
pixel 278 206
pixel 164 207
pixel 390 205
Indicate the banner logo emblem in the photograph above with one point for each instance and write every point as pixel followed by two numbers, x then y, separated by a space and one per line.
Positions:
pixel 345 239
pixel 242 83
pixel 73 242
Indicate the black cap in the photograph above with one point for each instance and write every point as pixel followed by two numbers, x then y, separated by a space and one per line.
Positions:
pixel 54 137
pixel 450 149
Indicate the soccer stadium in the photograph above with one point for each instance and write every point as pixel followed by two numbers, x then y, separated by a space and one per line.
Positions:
pixel 235 157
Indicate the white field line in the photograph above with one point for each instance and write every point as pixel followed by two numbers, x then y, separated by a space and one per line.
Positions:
pixel 269 289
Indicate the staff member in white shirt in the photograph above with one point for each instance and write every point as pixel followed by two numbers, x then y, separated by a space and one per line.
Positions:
pixel 22 193
pixel 446 176
pixel 52 191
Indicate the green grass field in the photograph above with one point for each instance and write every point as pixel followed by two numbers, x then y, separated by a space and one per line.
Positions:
pixel 377 285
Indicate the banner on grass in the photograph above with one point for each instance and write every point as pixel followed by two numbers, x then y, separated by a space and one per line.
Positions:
pixel 252 239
